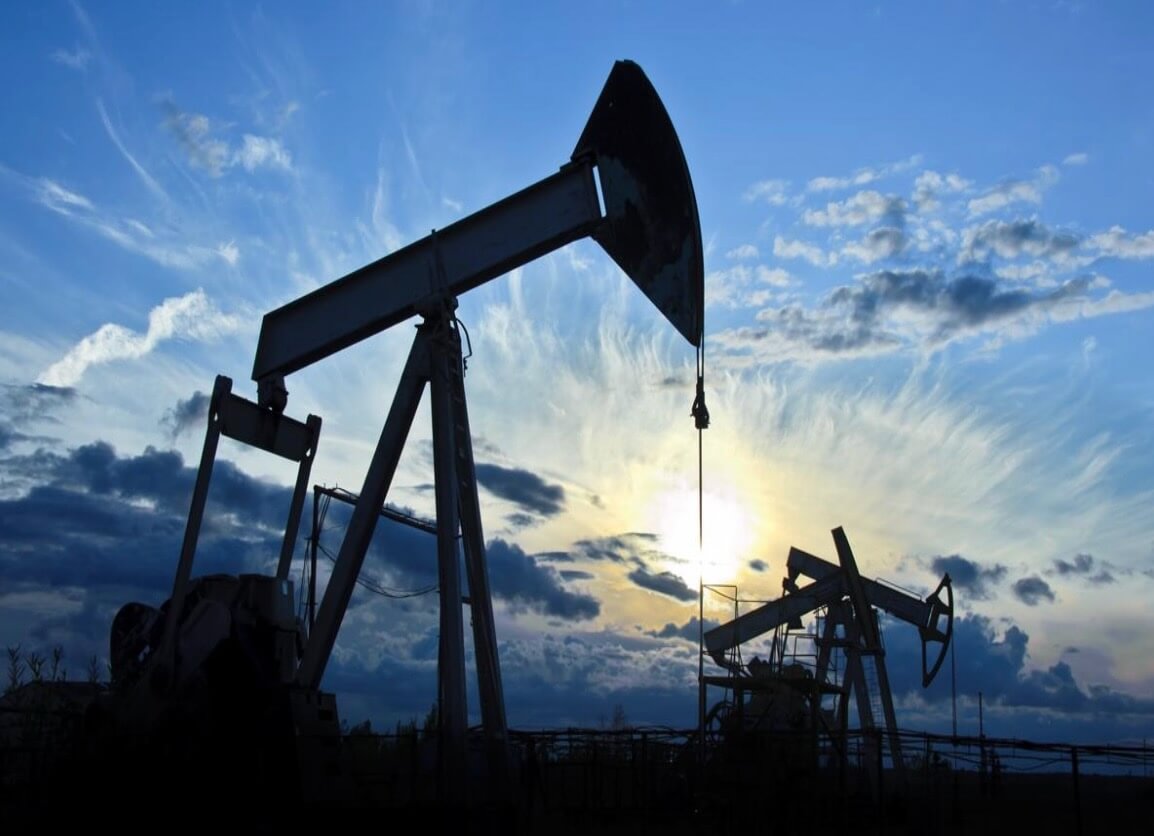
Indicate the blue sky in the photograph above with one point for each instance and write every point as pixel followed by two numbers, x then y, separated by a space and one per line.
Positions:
pixel 928 246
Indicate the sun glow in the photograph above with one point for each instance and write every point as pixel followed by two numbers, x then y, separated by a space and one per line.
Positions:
pixel 729 534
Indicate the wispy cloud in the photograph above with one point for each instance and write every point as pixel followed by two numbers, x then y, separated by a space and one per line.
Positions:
pixel 76 59
pixel 169 250
pixel 1079 158
pixel 192 316
pixel 59 199
pixel 230 252
pixel 145 177
pixel 863 176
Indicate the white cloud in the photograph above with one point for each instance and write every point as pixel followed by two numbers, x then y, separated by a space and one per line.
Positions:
pixel 772 192
pixel 1014 191
pixel 1080 158
pixel 229 252
pixel 861 208
pixel 878 244
pixel 775 277
pixel 784 248
pixel 863 176
pixel 929 184
pixel 205 150
pixel 741 286
pixel 743 252
pixel 192 316
pixel 1034 272
pixel 77 59
pixel 260 151
pixel 194 132
pixel 1116 242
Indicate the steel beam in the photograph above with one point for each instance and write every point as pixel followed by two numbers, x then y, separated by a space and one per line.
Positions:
pixel 539 219
pixel 772 614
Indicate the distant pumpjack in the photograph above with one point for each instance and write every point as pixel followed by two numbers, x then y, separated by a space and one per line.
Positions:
pixel 849 627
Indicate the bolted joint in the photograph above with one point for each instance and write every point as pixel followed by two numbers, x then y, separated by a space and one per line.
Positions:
pixel 271 393
pixel 437 305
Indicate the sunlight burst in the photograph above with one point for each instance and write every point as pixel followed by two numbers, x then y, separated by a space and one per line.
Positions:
pixel 728 527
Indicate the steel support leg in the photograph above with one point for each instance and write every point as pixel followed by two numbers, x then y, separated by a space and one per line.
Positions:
pixel 220 391
pixel 288 545
pixel 363 522
pixel 454 709
pixel 480 597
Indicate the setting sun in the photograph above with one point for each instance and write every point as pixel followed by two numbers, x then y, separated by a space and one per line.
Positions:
pixel 728 527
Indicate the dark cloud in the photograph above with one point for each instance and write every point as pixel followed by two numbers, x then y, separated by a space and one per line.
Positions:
pixel 954 304
pixel 877 244
pixel 1084 566
pixel 518 521
pixel 758 565
pixel 518 579
pixel 526 489
pixel 35 401
pixel 1012 239
pixel 631 547
pixel 1033 590
pixel 664 582
pixel 576 575
pixel 99 520
pixel 996 666
pixel 186 414
pixel 969 575
pixel 890 309
pixel 555 557
pixel 407 556
pixel 690 631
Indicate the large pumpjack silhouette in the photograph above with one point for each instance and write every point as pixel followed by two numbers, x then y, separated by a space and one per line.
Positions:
pixel 226 652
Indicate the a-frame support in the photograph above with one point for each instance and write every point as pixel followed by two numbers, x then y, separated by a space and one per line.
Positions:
pixel 242 420
pixel 435 359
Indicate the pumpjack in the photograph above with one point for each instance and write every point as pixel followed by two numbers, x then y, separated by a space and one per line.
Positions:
pixel 225 658
pixel 811 697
